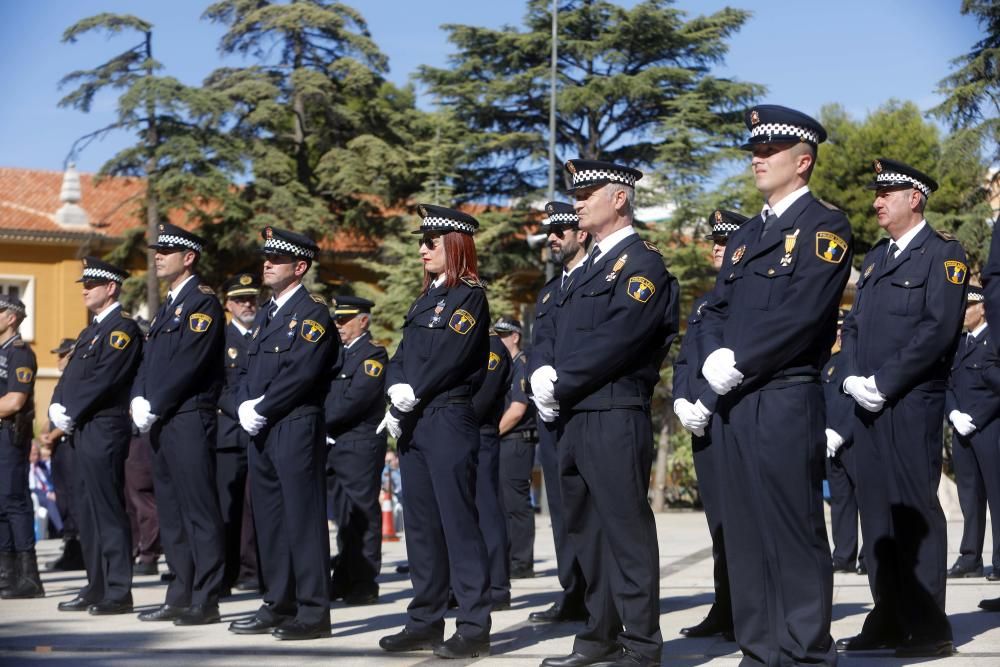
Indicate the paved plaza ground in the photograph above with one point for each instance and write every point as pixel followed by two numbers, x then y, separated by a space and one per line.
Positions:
pixel 33 632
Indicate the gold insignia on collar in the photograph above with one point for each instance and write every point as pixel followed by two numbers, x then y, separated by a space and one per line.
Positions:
pixel 955 271
pixel 738 254
pixel 878 167
pixel 119 340
pixel 245 280
pixel 373 367
pixel 640 288
pixel 461 322
pixel 24 374
pixel 830 247
pixel 493 362
pixel 199 322
pixel 312 331
pixel 754 117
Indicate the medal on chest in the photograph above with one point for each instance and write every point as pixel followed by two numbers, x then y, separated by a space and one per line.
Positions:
pixel 436 320
pixel 789 246
pixel 619 265
pixel 291 325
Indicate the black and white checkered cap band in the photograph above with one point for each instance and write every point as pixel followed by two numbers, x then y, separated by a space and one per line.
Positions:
pixel 593 175
pixel 784 129
pixel 7 305
pixel 724 228
pixel 896 176
pixel 91 273
pixel 170 239
pixel 286 248
pixel 432 222
pixel 506 326
pixel 562 219
pixel 976 297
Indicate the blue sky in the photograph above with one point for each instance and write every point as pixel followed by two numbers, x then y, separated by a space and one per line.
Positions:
pixel 860 53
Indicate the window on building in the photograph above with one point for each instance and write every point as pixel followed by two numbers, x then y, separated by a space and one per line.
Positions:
pixel 23 288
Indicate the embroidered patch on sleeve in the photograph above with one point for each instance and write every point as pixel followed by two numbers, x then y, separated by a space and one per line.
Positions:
pixel 640 288
pixel 461 321
pixel 199 322
pixel 830 247
pixel 493 362
pixel 24 374
pixel 312 331
pixel 955 271
pixel 373 368
pixel 119 340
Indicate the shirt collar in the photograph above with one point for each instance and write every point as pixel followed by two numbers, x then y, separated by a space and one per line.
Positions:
pixel 351 344
pixel 785 203
pixel 608 243
pixel 283 299
pixel 438 281
pixel 239 327
pixel 906 238
pixel 100 317
pixel 172 293
pixel 10 341
pixel 978 330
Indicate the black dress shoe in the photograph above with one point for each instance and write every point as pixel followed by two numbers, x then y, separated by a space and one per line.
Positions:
pixel 362 596
pixel 76 604
pixel 924 648
pixel 500 605
pixel 111 607
pixel 632 659
pixel 990 604
pixel 164 612
pixel 842 567
pixel 523 572
pixel 460 646
pixel 861 568
pixel 994 575
pixel 199 614
pixel 959 571
pixel 864 643
pixel 141 568
pixel 707 628
pixel 408 640
pixel 296 629
pixel 558 613
pixel 255 625
pixel 246 585
pixel 575 659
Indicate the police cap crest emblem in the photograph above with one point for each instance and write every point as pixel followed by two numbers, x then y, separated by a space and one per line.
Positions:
pixel 754 117
pixel 461 322
pixel 245 279
pixel 878 167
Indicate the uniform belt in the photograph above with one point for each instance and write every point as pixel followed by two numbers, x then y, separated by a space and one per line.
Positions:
pixel 528 434
pixel 455 397
pixel 786 380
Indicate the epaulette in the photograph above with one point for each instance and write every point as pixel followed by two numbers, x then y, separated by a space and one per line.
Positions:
pixel 945 235
pixel 472 282
pixel 826 204
pixel 125 314
pixel 650 246
pixel 205 289
pixel 18 343
pixel 317 298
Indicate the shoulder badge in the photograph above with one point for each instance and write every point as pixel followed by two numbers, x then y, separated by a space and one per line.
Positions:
pixel 119 340
pixel 461 321
pixel 826 204
pixel 830 247
pixel 317 298
pixel 199 322
pixel 312 331
pixel 471 282
pixel 24 374
pixel 640 288
pixel 945 235
pixel 650 246
pixel 373 367
pixel 494 361
pixel 205 289
pixel 955 271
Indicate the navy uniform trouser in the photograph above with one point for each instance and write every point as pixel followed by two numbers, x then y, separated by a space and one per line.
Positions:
pixel 842 477
pixel 904 528
pixel 17 518
pixel 354 491
pixel 605 458
pixel 64 476
pixel 706 466
pixel 288 487
pixel 190 521
pixel 976 459
pixel 438 467
pixel 492 523
pixel 773 446
pixel 517 458
pixel 567 566
pixel 140 500
pixel 230 483
pixel 101 446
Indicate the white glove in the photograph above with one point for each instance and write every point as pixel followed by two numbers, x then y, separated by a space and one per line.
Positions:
pixel 330 441
pixel 401 396
pixel 693 417
pixel 251 422
pixel 833 442
pixel 543 384
pixel 962 422
pixel 142 417
pixel 59 418
pixel 864 392
pixel 391 423
pixel 549 412
pixel 720 371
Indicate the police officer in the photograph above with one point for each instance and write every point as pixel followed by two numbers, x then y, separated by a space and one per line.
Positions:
pixel 354 408
pixel 689 386
pixel 281 407
pixel 174 398
pixel 517 454
pixel 972 407
pixel 91 402
pixel 899 339
pixel 613 329
pixel 568 245
pixel 488 405
pixel 241 293
pixel 432 375
pixel 841 473
pixel 768 327
pixel 18 565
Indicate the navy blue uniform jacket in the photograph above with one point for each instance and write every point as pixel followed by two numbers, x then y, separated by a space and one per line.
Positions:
pixel 488 401
pixel 974 383
pixel 229 432
pixel 356 403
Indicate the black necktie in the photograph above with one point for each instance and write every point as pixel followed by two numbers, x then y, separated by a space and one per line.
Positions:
pixel 247 336
pixel 595 252
pixel 970 340
pixel 768 221
pixel 890 253
pixel 272 310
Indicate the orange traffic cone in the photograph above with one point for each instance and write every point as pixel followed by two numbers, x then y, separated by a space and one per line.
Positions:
pixel 388 526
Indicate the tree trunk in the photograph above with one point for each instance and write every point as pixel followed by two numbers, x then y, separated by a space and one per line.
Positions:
pixel 662 457
pixel 152 206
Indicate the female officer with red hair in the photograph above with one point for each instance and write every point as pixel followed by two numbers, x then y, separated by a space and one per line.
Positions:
pixel 439 363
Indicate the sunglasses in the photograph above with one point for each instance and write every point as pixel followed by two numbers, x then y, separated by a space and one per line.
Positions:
pixel 720 240
pixel 430 242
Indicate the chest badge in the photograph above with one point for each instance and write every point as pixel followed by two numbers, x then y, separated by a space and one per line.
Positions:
pixel 291 327
pixel 177 313
pixel 738 254
pixel 786 260
pixel 232 352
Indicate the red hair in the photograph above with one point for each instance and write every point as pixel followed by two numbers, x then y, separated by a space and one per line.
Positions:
pixel 459 259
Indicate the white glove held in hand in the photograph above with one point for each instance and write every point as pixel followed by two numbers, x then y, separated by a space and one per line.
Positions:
pixel 59 418
pixel 864 392
pixel 141 415
pixel 962 422
pixel 401 396
pixel 833 442
pixel 251 422
pixel 543 383
pixel 693 416
pixel 720 371
pixel 547 411
pixel 391 423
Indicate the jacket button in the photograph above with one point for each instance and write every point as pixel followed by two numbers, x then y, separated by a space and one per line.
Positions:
pixel 732 275
pixel 276 348
pixel 770 272
pixel 906 282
